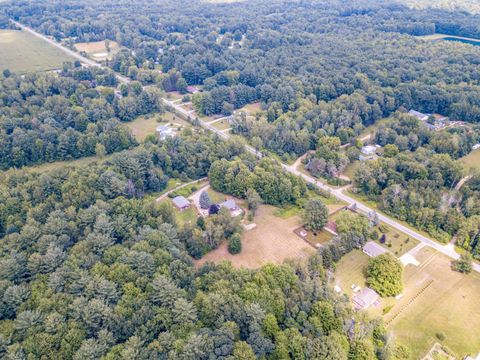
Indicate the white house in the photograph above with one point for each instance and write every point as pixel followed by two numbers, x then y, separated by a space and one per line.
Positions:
pixel 164 131
pixel 369 152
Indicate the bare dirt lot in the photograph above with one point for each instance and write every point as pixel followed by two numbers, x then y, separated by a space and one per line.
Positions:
pixel 272 241
pixel 98 49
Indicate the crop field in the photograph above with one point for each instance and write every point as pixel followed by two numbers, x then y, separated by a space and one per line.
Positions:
pixel 22 52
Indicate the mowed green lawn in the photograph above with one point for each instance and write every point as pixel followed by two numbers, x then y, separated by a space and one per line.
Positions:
pixel 22 52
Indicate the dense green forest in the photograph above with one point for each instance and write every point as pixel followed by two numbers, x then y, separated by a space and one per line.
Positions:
pixel 91 268
pixel 47 117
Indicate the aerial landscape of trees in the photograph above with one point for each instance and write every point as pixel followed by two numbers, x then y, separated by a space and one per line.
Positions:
pixel 92 267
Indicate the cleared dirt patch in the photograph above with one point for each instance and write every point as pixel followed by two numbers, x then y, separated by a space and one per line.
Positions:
pixel 272 241
pixel 99 50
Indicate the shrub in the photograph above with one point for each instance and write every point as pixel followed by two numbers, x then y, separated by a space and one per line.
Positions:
pixel 234 244
pixel 463 264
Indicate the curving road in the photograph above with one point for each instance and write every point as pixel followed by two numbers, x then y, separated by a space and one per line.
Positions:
pixel 447 250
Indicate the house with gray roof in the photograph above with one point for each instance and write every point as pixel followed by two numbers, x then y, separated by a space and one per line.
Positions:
pixel 232 206
pixel 164 131
pixel 372 249
pixel 181 203
pixel 365 298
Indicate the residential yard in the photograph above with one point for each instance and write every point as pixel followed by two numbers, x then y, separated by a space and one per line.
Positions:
pixel 332 203
pixel 272 241
pixel 351 169
pixel 143 126
pixel 221 125
pixel 472 160
pixel 436 300
pixel 99 50
pixel 397 242
pixel 22 52
pixel 175 95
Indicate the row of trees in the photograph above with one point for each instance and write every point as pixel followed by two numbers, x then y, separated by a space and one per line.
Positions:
pixel 267 178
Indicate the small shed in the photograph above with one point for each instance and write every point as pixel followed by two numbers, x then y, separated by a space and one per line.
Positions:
pixel 373 249
pixel 365 298
pixel 181 203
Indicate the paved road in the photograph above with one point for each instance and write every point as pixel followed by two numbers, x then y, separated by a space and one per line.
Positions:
pixel 447 250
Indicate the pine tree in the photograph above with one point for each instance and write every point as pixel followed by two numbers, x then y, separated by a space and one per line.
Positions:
pixel 205 201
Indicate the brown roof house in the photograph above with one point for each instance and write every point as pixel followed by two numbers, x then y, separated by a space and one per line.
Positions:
pixel 365 298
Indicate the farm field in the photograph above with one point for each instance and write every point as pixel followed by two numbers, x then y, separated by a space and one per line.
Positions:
pixel 447 307
pixel 472 160
pixel 143 126
pixel 22 52
pixel 272 241
pixel 98 50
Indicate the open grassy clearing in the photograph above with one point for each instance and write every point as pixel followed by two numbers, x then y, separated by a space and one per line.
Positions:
pixel 272 241
pixel 174 95
pixel 146 125
pixel 221 125
pixel 99 50
pixel 291 210
pixel 21 52
pixel 251 109
pixel 62 164
pixel 351 169
pixel 447 306
pixel 472 160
